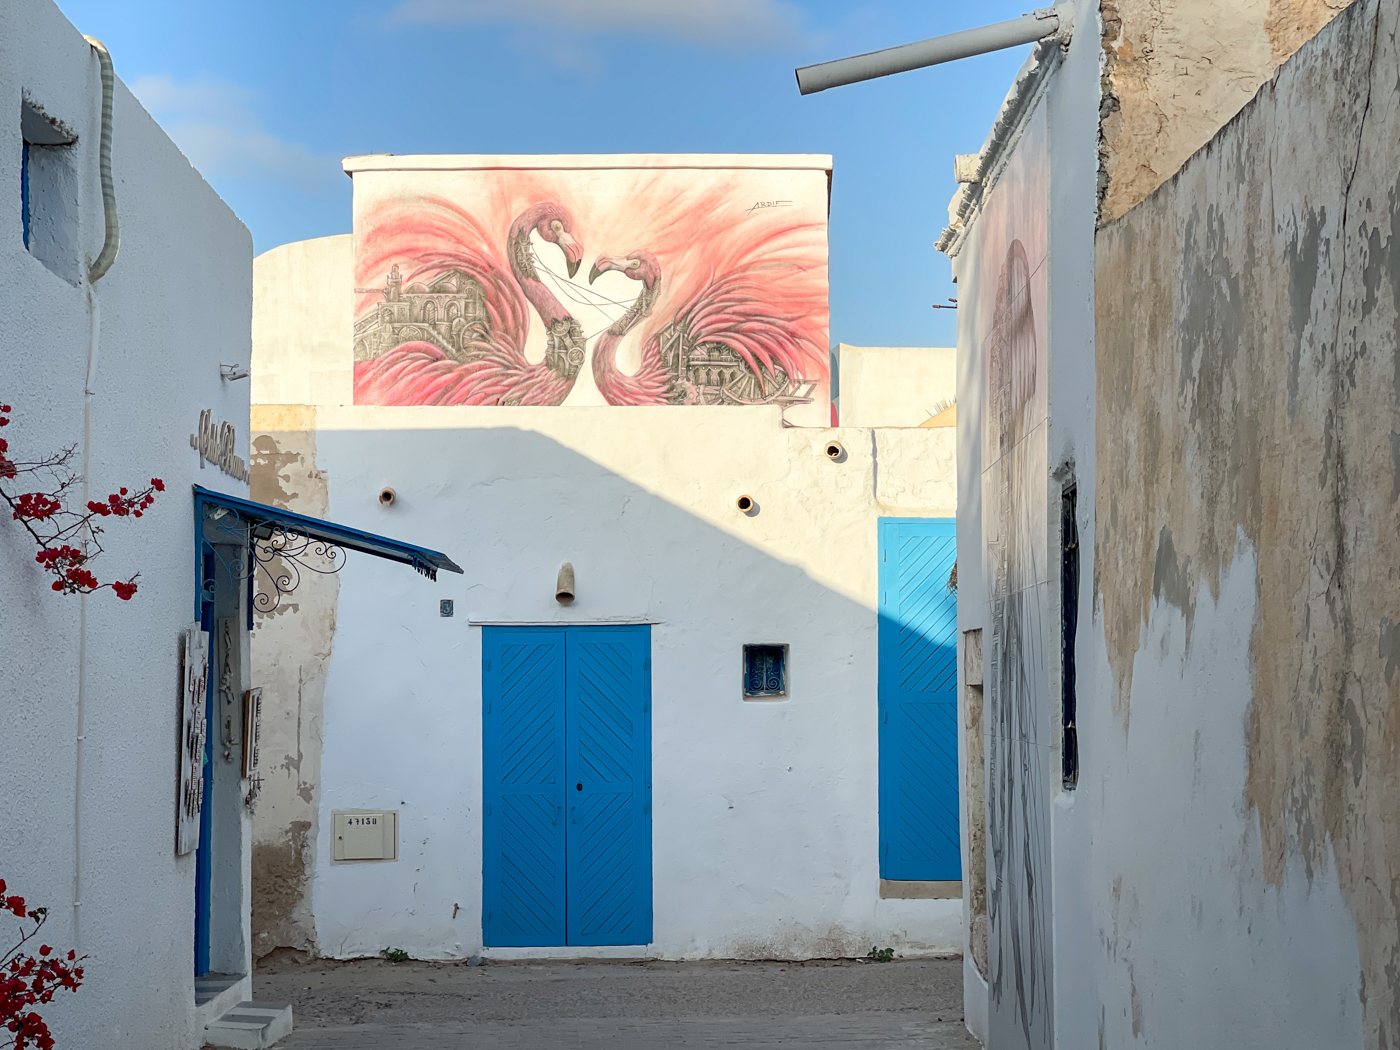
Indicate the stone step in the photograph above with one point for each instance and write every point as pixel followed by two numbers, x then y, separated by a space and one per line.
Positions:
pixel 250 1026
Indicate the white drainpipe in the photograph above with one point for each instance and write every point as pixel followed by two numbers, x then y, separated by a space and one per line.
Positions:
pixel 99 267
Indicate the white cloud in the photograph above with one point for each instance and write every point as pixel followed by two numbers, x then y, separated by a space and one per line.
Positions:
pixel 733 24
pixel 215 127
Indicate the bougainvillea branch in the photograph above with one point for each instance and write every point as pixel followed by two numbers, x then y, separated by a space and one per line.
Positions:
pixel 27 981
pixel 68 539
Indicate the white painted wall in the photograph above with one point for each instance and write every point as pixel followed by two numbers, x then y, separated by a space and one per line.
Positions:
pixel 765 814
pixel 764 817
pixel 894 386
pixel 175 304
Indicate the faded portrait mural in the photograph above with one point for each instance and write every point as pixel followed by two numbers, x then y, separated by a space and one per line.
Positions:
pixel 1012 302
pixel 552 281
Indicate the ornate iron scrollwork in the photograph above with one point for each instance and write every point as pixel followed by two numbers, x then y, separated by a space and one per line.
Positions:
pixel 276 554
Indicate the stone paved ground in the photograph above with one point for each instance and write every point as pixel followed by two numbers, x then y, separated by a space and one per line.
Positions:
pixel 913 1004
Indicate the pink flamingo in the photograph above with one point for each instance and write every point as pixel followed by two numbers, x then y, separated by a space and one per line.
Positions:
pixel 732 309
pixel 497 372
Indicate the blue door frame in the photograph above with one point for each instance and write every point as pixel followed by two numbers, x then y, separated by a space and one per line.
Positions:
pixel 204 853
pixel 566 765
pixel 918 701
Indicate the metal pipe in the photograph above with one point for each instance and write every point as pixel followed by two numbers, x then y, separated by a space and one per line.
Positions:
pixel 112 240
pixel 1046 22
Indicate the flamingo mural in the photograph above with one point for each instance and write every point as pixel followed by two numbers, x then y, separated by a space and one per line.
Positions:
pixel 489 366
pixel 729 306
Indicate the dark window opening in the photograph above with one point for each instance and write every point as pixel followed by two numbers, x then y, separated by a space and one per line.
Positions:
pixel 1069 625
pixel 765 671
pixel 48 192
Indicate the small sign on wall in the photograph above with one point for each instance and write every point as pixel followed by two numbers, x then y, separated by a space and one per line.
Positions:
pixel 194 685
pixel 365 834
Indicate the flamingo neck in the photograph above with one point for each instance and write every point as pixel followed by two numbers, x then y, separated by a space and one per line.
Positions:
pixel 522 265
pixel 605 372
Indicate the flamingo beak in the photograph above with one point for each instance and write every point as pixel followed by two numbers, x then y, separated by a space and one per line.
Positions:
pixel 573 251
pixel 602 266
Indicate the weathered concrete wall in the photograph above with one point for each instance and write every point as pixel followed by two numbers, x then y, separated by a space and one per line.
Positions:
pixel 1242 764
pixel 1175 71
pixel 175 304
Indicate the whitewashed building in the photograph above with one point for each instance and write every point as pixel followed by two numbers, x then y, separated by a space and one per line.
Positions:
pixel 648 718
pixel 128 758
pixel 119 365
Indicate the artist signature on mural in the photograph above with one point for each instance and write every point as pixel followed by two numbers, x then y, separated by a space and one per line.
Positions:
pixel 767 204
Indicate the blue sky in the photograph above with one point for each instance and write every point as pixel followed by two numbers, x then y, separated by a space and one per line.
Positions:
pixel 266 97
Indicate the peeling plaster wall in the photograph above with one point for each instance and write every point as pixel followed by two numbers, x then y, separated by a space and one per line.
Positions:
pixel 1240 747
pixel 175 304
pixel 1176 71
pixel 291 650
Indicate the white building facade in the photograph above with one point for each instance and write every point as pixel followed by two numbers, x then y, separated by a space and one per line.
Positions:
pixel 724 577
pixel 120 369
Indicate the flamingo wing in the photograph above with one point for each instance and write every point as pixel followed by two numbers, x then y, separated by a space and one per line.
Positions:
pixel 739 309
pixel 492 368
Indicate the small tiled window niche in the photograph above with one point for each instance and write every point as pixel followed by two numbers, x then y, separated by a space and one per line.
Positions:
pixel 765 672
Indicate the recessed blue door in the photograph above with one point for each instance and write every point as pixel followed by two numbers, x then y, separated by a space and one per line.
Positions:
pixel 918 701
pixel 567 768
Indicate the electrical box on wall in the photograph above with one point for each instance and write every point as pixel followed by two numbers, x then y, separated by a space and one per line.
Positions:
pixel 365 834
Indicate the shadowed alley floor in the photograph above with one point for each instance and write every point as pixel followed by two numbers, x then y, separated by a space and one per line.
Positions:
pixel 911 1004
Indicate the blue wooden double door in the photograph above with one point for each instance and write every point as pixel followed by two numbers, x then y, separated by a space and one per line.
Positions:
pixel 918 701
pixel 567 778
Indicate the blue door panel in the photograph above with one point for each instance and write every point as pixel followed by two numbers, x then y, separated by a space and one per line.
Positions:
pixel 523 773
pixel 567 786
pixel 609 742
pixel 918 701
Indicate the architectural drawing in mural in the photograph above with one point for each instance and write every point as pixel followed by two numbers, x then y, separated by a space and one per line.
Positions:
pixel 714 352
pixel 449 312
pixel 1018 831
pixel 731 308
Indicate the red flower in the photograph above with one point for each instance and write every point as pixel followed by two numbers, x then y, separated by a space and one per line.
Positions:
pixel 124 590
pixel 157 484
pixel 16 905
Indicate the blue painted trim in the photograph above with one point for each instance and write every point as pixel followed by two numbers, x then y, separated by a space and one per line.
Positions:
pixel 204 852
pixel 24 191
